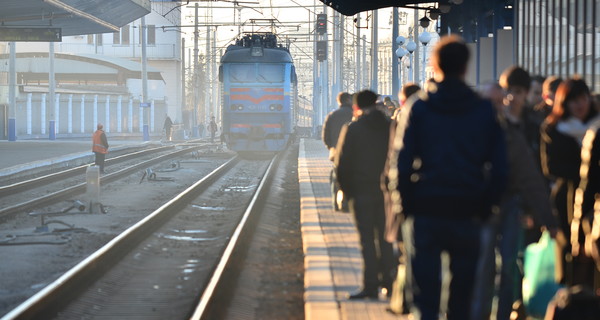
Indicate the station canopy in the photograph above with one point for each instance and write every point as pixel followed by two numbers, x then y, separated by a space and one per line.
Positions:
pixel 352 7
pixel 73 17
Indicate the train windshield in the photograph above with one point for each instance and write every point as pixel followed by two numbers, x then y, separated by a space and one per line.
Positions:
pixel 242 73
pixel 270 73
pixel 266 73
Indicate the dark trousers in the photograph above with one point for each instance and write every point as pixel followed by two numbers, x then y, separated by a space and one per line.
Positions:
pixel 377 253
pixel 425 239
pixel 100 160
pixel 503 232
pixel 335 189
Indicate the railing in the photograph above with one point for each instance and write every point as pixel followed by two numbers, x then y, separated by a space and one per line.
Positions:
pixel 156 51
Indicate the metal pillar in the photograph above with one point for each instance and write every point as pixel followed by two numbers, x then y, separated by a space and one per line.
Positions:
pixel 145 83
pixel 195 75
pixel 51 88
pixel 395 76
pixel 12 93
pixel 357 78
pixel 375 53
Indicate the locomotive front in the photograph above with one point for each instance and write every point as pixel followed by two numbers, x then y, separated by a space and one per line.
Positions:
pixel 259 92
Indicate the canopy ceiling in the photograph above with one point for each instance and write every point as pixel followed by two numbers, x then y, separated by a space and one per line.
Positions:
pixel 74 17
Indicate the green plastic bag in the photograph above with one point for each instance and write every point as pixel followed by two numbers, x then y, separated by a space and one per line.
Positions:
pixel 539 282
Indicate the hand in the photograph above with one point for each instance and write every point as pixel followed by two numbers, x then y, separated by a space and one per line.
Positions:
pixel 554 233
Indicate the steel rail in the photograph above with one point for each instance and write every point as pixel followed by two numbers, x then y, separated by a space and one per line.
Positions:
pixel 80 188
pixel 52 177
pixel 203 306
pixel 56 295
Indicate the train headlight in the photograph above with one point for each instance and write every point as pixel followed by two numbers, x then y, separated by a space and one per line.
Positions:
pixel 236 107
pixel 277 107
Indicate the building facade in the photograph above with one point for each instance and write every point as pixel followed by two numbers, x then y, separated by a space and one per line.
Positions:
pixel 98 78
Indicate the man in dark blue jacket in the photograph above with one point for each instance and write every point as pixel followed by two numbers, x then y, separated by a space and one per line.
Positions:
pixel 452 170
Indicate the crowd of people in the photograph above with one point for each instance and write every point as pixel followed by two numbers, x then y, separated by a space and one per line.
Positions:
pixel 472 174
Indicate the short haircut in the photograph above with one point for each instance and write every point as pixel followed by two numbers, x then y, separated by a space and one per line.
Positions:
pixel 450 56
pixel 537 78
pixel 515 77
pixel 365 99
pixel 551 84
pixel 409 89
pixel 344 98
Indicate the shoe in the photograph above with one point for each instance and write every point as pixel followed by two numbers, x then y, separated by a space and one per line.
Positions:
pixel 363 294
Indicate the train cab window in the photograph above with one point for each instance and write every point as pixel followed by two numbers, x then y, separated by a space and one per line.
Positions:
pixel 242 73
pixel 270 73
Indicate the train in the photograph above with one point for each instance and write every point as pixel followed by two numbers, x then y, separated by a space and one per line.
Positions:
pixel 259 91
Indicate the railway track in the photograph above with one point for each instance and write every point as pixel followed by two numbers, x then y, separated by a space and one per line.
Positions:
pixel 152 270
pixel 73 185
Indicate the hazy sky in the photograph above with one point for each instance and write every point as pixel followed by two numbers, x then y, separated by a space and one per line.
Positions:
pixel 292 22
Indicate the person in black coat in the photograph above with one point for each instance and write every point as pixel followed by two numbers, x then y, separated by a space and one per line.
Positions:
pixel 330 133
pixel 359 161
pixel 586 218
pixel 560 148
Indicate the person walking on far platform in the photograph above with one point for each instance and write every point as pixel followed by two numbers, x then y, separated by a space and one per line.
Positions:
pixel 167 126
pixel 452 171
pixel 212 127
pixel 331 132
pixel 100 146
pixel 361 154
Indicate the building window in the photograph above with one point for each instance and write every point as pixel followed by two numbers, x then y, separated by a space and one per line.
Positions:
pixel 125 35
pixel 150 34
pixel 91 37
pixel 122 37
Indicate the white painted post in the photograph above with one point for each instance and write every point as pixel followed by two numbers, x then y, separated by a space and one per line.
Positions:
pixel 119 113
pixel 107 114
pixel 43 114
pixel 82 106
pixel 56 112
pixel 70 111
pixel 152 115
pixel 95 112
pixel 130 117
pixel 29 112
pixel 141 119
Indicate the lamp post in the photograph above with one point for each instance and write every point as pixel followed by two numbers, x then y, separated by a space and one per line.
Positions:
pixel 400 53
pixel 411 46
pixel 424 38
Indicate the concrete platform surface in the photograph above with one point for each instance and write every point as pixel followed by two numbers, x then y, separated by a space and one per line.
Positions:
pixel 332 262
pixel 26 154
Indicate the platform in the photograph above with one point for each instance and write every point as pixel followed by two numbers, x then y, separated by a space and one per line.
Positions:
pixel 20 155
pixel 332 258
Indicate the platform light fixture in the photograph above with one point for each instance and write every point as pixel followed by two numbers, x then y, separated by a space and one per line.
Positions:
pixel 63 6
pixel 424 22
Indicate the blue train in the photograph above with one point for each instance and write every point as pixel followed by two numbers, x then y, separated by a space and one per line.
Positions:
pixel 259 94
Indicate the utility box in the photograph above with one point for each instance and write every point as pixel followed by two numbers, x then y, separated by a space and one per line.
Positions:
pixel 92 178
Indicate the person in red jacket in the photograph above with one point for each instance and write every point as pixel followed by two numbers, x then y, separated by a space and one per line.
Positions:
pixel 100 146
